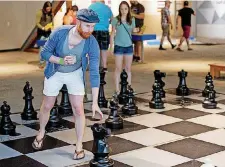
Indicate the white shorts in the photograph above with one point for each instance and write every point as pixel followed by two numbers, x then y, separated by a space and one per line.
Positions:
pixel 73 80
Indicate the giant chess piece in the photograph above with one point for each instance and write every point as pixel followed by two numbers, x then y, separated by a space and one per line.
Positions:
pixel 102 102
pixel 209 101
pixel 114 121
pixel 158 76
pixel 208 85
pixel 182 89
pixel 156 101
pixel 100 147
pixel 130 107
pixel 28 111
pixel 6 125
pixel 65 108
pixel 123 90
pixel 55 118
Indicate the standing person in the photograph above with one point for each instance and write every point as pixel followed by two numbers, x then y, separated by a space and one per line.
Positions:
pixel 101 31
pixel 122 27
pixel 138 12
pixel 166 24
pixel 70 16
pixel 185 16
pixel 44 19
pixel 65 51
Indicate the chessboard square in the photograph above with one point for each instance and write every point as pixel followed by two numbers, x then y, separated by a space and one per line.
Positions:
pixel 127 127
pixel 191 148
pixel 152 137
pixel 117 145
pixel 22 132
pixel 59 157
pixel 145 107
pixel 69 136
pixel 143 97
pixel 216 137
pixel 192 163
pixel 24 145
pixel 7 152
pixel 97 119
pixel 17 119
pixel 153 120
pixel 20 161
pixel 88 108
pixel 216 159
pixel 184 113
pixel 150 157
pixel 116 164
pixel 220 108
pixel 212 120
pixel 192 91
pixel 186 101
pixel 185 128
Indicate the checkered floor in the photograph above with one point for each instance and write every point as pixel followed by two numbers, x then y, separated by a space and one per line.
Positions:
pixel 177 136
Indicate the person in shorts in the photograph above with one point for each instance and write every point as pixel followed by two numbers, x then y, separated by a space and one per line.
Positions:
pixel 66 53
pixel 122 27
pixel 185 16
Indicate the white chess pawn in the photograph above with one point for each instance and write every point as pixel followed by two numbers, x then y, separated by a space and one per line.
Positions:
pixel 208 163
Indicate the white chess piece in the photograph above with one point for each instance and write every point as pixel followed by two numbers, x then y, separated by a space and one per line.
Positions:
pixel 208 163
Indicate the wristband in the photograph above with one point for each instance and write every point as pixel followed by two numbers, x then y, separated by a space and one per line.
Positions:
pixel 61 61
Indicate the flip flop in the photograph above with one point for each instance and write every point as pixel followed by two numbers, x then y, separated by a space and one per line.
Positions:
pixel 77 153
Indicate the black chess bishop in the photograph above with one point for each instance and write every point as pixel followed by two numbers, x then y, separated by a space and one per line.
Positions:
pixel 114 121
pixel 100 147
pixel 158 76
pixel 182 89
pixel 208 85
pixel 28 112
pixel 102 102
pixel 123 89
pixel 156 101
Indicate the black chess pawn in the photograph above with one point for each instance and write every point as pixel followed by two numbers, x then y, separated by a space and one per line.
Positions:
pixel 156 101
pixel 158 76
pixel 114 121
pixel 55 118
pixel 65 108
pixel 123 89
pixel 28 111
pixel 182 89
pixel 130 108
pixel 6 126
pixel 208 85
pixel 100 147
pixel 209 101
pixel 102 102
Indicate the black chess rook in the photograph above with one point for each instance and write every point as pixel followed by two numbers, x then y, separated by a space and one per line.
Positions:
pixel 28 112
pixel 55 119
pixel 208 85
pixel 182 89
pixel 130 108
pixel 156 101
pixel 6 125
pixel 123 88
pixel 65 108
pixel 158 76
pixel 114 121
pixel 102 102
pixel 100 147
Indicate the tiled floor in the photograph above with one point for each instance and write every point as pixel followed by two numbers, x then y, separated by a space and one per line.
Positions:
pixel 176 136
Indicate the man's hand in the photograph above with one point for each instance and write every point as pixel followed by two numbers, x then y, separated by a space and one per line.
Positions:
pixel 69 60
pixel 95 108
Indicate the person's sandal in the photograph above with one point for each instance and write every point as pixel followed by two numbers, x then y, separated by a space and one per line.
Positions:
pixel 77 153
pixel 35 146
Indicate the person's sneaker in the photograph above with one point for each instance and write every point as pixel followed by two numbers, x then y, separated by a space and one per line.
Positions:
pixel 173 46
pixel 161 48
pixel 105 69
pixel 190 49
pixel 180 50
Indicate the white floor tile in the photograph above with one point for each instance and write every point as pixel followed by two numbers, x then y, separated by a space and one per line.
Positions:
pixel 152 137
pixel 212 120
pixel 6 152
pixel 150 156
pixel 216 159
pixel 216 137
pixel 213 111
pixel 59 157
pixel 17 119
pixel 69 136
pixel 153 120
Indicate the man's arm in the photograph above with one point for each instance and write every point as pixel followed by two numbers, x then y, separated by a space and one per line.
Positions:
pixel 177 21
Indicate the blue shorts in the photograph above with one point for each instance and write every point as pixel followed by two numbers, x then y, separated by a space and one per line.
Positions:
pixel 119 50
